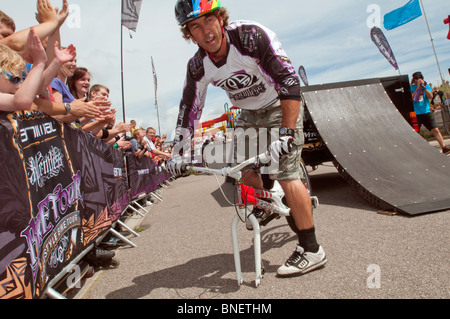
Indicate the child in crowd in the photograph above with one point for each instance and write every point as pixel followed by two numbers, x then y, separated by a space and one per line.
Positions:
pixel 18 89
pixel 105 128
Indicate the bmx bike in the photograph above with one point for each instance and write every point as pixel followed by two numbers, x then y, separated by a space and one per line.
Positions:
pixel 268 200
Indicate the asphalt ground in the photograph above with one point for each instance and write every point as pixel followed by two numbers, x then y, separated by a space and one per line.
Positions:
pixel 185 251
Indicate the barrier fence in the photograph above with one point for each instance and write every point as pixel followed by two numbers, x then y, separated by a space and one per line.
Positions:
pixel 61 191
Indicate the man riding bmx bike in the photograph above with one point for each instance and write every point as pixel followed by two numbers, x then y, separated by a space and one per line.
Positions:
pixel 246 60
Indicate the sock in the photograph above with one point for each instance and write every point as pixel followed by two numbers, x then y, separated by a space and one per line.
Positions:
pixel 307 240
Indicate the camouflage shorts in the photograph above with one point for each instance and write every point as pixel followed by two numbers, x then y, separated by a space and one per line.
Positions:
pixel 266 123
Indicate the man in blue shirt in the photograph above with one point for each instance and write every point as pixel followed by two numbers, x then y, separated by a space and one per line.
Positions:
pixel 421 94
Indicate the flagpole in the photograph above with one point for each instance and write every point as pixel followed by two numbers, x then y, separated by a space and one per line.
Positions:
pixel 121 71
pixel 432 41
pixel 157 114
pixel 155 84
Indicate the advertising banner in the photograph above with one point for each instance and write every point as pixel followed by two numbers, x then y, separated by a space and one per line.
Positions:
pixel 60 189
pixel 142 177
pixel 382 44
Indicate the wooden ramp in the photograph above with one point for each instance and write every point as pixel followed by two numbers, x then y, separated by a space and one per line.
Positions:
pixel 376 150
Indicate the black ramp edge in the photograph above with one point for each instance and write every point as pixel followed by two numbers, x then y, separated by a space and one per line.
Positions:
pixel 376 150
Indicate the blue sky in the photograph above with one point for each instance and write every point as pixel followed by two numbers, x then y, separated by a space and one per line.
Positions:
pixel 331 39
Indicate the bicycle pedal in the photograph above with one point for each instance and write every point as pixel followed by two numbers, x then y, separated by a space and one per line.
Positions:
pixel 269 219
pixel 314 201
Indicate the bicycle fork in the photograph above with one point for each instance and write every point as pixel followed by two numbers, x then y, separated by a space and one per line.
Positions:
pixel 249 195
pixel 256 247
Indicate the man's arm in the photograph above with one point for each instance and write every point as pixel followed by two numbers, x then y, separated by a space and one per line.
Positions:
pixel 61 57
pixel 24 96
pixel 428 93
pixel 78 108
pixel 290 109
pixel 56 36
pixel 49 23
pixel 158 152
pixel 140 152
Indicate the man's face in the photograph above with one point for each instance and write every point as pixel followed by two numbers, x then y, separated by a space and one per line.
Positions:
pixel 151 134
pixel 5 31
pixel 206 31
pixel 101 95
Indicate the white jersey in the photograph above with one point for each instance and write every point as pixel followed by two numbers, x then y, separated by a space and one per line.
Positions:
pixel 255 73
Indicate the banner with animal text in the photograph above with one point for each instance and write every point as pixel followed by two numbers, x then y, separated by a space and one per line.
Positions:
pixel 60 189
pixel 141 175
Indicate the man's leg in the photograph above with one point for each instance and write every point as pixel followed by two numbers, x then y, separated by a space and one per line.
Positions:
pixel 252 178
pixel 299 201
pixel 438 136
pixel 430 123
pixel 308 254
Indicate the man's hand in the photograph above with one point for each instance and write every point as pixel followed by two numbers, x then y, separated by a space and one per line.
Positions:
pixel 175 166
pixel 92 109
pixel 123 127
pixel 35 52
pixel 63 14
pixel 65 55
pixel 45 12
pixel 281 147
pixel 123 145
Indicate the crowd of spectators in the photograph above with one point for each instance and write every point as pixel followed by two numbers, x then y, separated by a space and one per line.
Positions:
pixel 38 73
pixel 145 142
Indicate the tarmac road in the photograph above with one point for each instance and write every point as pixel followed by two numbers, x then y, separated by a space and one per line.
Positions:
pixel 185 250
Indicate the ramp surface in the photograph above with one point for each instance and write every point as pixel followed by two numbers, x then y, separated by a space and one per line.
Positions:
pixel 376 150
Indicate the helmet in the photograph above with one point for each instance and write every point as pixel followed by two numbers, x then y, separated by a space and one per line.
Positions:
pixel 188 10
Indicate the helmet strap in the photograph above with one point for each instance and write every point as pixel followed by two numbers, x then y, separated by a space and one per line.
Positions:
pixel 212 54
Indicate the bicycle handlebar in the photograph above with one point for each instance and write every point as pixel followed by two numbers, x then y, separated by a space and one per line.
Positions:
pixel 231 171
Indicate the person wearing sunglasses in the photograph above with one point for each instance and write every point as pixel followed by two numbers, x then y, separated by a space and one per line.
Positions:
pixel 422 94
pixel 16 91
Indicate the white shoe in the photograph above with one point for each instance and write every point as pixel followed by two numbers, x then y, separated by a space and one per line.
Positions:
pixel 302 262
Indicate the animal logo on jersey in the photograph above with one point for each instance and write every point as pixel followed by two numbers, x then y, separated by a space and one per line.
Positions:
pixel 239 81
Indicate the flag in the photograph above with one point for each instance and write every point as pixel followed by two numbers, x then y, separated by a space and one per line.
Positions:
pixel 447 21
pixel 402 15
pixel 383 45
pixel 302 73
pixel 155 82
pixel 130 13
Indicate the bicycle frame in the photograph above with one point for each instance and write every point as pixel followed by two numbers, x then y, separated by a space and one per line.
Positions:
pixel 247 195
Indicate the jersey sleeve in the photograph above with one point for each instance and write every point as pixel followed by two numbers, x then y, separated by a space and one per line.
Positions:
pixel 193 99
pixel 263 45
